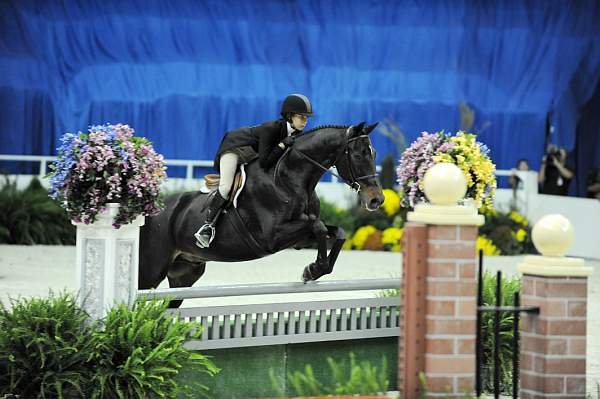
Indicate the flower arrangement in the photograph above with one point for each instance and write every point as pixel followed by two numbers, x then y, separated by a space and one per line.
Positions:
pixel 461 149
pixel 509 232
pixel 107 164
pixel 372 239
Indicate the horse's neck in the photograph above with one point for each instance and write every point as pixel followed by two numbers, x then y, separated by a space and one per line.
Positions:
pixel 324 148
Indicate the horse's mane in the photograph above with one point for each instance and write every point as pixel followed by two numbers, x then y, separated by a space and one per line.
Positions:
pixel 321 127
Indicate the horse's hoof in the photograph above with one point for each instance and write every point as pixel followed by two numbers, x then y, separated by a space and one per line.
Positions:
pixel 307 275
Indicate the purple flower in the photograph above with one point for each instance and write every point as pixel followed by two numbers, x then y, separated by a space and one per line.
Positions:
pixel 104 165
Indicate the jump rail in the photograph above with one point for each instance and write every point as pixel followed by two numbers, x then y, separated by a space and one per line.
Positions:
pixel 271 288
pixel 235 326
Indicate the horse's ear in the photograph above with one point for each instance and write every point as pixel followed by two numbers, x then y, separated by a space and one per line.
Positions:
pixel 370 128
pixel 356 130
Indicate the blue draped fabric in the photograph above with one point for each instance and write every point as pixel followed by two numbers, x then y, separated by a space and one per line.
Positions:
pixel 184 72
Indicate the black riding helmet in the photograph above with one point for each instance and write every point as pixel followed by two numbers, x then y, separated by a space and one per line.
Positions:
pixel 296 104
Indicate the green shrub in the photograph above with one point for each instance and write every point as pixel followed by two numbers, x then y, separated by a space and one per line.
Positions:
pixel 50 348
pixel 509 287
pixel 29 217
pixel 355 378
pixel 45 345
pixel 332 215
pixel 387 178
pixel 140 352
pixel 509 231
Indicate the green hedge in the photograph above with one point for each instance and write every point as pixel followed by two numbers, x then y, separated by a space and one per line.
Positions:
pixel 29 217
pixel 50 348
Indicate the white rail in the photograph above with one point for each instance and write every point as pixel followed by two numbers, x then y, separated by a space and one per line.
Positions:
pixel 270 288
pixel 189 164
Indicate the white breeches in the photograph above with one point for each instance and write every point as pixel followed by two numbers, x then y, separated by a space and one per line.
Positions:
pixel 227 166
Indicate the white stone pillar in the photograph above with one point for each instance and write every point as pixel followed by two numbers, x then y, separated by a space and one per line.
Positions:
pixel 107 262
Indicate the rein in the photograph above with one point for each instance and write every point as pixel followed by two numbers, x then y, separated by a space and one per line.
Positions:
pixel 354 184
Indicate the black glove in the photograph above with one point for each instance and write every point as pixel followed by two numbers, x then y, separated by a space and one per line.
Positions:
pixel 288 141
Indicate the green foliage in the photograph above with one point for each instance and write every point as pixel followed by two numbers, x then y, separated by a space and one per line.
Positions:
pixel 30 217
pixel 50 348
pixel 387 178
pixel 503 229
pixel 347 379
pixel 509 287
pixel 140 352
pixel 332 215
pixel 44 348
pixel 378 219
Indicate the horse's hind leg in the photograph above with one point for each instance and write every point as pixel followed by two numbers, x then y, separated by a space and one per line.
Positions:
pixel 155 259
pixel 184 272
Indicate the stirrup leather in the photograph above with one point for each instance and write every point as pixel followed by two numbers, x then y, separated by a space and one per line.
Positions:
pixel 205 235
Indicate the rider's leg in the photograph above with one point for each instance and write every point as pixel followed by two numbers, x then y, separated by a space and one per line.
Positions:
pixel 227 165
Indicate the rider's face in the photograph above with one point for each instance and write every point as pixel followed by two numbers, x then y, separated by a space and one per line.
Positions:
pixel 299 121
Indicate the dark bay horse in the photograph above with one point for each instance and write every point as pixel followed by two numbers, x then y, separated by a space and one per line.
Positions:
pixel 277 209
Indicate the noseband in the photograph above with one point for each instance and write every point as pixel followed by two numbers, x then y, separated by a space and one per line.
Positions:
pixel 354 182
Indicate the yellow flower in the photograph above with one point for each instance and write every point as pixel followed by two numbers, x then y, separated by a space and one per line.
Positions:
pixel 392 235
pixel 520 235
pixel 476 166
pixel 396 248
pixel 488 247
pixel 391 205
pixel 361 235
pixel 347 244
pixel 517 217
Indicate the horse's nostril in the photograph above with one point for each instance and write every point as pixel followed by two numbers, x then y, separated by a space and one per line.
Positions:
pixel 374 203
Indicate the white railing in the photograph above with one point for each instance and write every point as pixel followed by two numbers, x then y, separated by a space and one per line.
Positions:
pixel 235 326
pixel 43 161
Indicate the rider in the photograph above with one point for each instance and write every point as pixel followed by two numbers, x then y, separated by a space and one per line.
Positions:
pixel 267 142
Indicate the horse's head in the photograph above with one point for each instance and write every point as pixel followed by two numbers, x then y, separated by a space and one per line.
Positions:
pixel 357 166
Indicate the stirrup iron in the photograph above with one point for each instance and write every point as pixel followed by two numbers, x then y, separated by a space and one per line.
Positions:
pixel 203 240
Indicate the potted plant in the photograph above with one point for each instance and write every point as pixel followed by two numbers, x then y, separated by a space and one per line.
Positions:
pixel 107 165
pixel 461 149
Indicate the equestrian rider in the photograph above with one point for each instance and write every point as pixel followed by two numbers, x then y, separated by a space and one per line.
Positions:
pixel 267 142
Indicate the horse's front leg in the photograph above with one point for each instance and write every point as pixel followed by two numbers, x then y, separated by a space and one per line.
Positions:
pixel 324 263
pixel 339 236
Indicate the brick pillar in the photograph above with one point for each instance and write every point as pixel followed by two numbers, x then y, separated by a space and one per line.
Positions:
pixel 411 351
pixel 553 345
pixel 439 289
pixel 448 248
pixel 451 310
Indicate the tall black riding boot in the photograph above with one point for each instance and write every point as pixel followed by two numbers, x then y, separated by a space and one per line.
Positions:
pixel 206 233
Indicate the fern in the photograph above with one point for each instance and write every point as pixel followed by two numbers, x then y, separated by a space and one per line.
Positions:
pixel 355 378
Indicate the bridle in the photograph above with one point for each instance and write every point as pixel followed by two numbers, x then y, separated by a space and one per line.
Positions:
pixel 354 181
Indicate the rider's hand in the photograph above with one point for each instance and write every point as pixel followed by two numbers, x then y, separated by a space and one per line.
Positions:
pixel 288 141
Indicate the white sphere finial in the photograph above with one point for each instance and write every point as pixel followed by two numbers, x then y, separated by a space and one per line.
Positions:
pixel 552 235
pixel 444 184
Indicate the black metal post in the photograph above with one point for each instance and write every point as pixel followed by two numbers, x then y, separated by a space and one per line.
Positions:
pixel 497 335
pixel 478 343
pixel 515 350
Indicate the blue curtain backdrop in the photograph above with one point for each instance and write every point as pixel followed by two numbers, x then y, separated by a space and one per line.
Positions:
pixel 184 72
